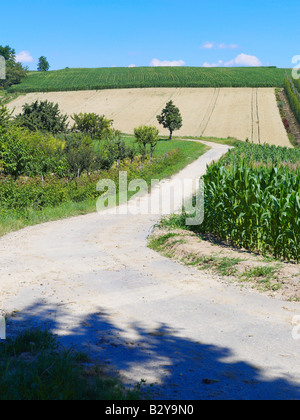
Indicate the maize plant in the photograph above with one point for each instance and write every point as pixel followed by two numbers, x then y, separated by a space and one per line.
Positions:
pixel 252 200
pixel 292 88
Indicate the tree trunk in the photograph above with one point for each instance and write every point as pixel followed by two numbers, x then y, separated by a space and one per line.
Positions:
pixel 171 134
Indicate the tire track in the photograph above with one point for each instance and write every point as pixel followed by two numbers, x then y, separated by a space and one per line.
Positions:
pixel 209 112
pixel 171 98
pixel 255 134
pixel 252 116
pixel 121 109
pixel 257 116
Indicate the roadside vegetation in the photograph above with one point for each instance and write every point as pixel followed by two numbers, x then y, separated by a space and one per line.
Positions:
pixel 206 252
pixel 49 170
pixel 33 367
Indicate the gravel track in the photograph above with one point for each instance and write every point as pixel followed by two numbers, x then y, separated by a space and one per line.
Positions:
pixel 94 282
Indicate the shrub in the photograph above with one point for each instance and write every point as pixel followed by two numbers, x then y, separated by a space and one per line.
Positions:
pixel 96 126
pixel 5 117
pixel 79 153
pixel 146 136
pixel 43 116
pixel 23 153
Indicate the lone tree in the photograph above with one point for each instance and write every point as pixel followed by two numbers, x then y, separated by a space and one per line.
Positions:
pixel 43 64
pixel 170 118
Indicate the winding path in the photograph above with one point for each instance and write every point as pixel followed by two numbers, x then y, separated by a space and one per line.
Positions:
pixel 95 283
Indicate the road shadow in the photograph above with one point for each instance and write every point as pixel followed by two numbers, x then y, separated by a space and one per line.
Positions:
pixel 176 367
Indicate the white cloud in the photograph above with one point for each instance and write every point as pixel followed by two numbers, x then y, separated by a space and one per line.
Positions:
pixel 132 65
pixel 213 45
pixel 242 60
pixel 208 45
pixel 24 57
pixel 165 63
pixel 228 47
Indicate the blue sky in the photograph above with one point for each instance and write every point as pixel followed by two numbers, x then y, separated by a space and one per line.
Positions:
pixel 107 33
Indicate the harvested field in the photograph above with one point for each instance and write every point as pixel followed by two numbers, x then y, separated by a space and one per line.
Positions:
pixel 210 112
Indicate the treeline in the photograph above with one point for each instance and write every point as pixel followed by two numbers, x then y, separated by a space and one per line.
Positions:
pixel 292 88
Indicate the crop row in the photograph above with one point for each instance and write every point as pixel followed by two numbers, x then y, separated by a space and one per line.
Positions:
pixel 252 200
pixel 292 88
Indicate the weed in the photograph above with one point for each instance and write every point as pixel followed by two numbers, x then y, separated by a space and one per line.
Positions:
pixel 263 275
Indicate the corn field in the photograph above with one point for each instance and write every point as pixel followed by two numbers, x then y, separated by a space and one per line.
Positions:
pixel 144 77
pixel 252 200
pixel 292 89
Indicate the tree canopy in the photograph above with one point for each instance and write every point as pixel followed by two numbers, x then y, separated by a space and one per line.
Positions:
pixel 170 118
pixel 15 72
pixel 43 64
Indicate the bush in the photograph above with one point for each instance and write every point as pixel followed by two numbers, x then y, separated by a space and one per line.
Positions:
pixel 23 153
pixel 5 117
pixel 93 125
pixel 146 136
pixel 35 193
pixel 43 116
pixel 79 153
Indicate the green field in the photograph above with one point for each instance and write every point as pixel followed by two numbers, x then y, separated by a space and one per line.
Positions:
pixel 146 77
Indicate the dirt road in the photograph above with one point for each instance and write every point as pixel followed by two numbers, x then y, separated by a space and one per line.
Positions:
pixel 94 282
pixel 211 112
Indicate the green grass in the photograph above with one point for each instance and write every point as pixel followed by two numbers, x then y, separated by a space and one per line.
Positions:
pixel 145 77
pixel 190 151
pixel 263 276
pixel 33 367
pixel 6 97
pixel 224 266
pixel 158 244
pixel 16 220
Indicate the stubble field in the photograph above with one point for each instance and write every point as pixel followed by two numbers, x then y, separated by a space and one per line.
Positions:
pixel 210 112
